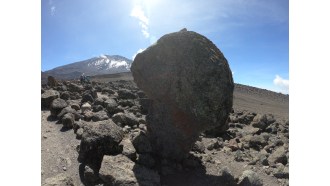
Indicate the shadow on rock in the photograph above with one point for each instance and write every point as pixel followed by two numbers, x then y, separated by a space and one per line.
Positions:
pixel 51 118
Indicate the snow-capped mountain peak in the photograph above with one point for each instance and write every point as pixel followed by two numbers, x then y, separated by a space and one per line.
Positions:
pixel 109 62
pixel 103 64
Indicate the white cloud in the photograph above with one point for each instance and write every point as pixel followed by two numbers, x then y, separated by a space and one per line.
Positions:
pixel 139 51
pixel 283 84
pixel 138 13
pixel 52 10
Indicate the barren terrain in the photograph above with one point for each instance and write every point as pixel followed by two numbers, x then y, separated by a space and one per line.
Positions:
pixel 221 165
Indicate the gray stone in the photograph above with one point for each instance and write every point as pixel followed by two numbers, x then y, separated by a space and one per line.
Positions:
pixel 68 120
pixel 191 85
pixel 122 119
pixel 111 106
pixel 199 147
pixel 281 171
pixel 57 106
pixel 126 94
pixel 66 110
pixel 128 149
pixel 121 171
pixel 65 95
pixel 79 133
pixel 72 87
pixel 47 98
pixel 99 116
pixel 262 121
pixel 52 81
pixel 99 138
pixel 86 107
pixel 278 156
pixel 250 178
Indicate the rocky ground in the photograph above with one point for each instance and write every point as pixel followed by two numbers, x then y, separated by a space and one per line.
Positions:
pixel 94 134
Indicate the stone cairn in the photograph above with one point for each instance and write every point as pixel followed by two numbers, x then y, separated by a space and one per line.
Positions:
pixel 190 85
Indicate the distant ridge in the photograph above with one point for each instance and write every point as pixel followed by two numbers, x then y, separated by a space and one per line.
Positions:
pixel 104 64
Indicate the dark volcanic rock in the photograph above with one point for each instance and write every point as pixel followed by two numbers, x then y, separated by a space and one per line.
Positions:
pixel 57 106
pixel 68 120
pixel 250 178
pixel 121 171
pixel 123 119
pixel 100 138
pixel 99 116
pixel 47 98
pixel 52 81
pixel 191 85
pixel 126 94
pixel 72 87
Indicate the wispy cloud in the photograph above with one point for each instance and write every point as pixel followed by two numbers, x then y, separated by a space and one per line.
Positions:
pixel 52 7
pixel 283 84
pixel 138 13
pixel 139 51
pixel 52 10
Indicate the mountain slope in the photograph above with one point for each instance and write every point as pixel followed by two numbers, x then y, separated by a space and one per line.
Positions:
pixel 104 64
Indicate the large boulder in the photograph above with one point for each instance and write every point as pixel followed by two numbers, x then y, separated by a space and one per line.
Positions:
pixel 99 138
pixel 47 98
pixel 191 87
pixel 121 171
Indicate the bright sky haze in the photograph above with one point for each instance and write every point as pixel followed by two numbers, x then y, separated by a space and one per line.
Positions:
pixel 253 35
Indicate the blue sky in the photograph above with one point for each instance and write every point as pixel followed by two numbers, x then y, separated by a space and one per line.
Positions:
pixel 252 34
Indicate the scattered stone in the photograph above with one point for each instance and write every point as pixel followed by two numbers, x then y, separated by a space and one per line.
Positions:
pixel 228 178
pixel 86 107
pixel 97 108
pixel 99 116
pixel 65 95
pixel 191 85
pixel 278 156
pixel 75 106
pixel 100 138
pixel 88 115
pixel 66 110
pixel 250 178
pixel 262 121
pixel 122 119
pixel 257 142
pixel 199 147
pixel 68 120
pixel 281 171
pixel 126 94
pixel 79 133
pixel 111 106
pixel 72 87
pixel 128 149
pixel 57 106
pixel 214 144
pixel 52 81
pixel 47 98
pixel 121 171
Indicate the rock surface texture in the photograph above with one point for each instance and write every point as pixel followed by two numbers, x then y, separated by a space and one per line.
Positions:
pixel 191 87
